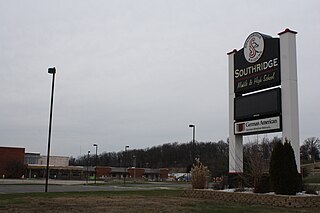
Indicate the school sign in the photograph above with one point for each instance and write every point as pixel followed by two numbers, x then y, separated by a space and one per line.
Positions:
pixel 263 93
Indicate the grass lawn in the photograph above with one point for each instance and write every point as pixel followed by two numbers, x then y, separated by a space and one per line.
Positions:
pixel 125 201
pixel 312 178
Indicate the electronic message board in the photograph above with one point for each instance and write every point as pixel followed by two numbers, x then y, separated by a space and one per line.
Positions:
pixel 257 105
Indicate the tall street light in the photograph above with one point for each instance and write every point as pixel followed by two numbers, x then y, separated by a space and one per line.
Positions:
pixel 88 166
pixel 134 167
pixel 95 170
pixel 53 72
pixel 125 164
pixel 193 140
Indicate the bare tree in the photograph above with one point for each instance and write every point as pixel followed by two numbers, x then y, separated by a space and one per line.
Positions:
pixel 255 163
pixel 312 145
pixel 304 154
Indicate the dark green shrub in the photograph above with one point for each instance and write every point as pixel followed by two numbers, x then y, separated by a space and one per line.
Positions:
pixel 299 186
pixel 234 180
pixel 276 166
pixel 264 185
pixel 283 170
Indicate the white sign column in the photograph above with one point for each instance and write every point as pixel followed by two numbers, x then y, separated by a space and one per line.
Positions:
pixel 289 91
pixel 235 141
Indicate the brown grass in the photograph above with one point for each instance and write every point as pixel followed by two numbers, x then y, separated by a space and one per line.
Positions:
pixel 153 201
pixel 133 203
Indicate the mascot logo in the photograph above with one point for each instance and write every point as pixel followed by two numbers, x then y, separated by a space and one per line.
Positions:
pixel 253 47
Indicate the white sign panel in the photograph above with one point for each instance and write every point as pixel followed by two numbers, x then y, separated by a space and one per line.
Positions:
pixel 259 125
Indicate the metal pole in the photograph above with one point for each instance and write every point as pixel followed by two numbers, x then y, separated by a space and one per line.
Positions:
pixel 95 175
pixel 194 141
pixel 53 72
pixel 193 147
pixel 125 163
pixel 194 134
pixel 134 171
pixel 88 167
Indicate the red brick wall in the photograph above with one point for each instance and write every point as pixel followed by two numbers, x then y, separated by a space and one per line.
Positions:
pixel 164 173
pixel 103 171
pixel 138 172
pixel 10 159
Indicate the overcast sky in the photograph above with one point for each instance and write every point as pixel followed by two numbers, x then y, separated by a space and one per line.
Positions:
pixel 138 72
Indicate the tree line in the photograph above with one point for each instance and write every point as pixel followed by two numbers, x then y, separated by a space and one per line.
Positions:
pixel 180 157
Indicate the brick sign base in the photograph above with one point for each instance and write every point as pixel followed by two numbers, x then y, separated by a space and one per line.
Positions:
pixel 254 198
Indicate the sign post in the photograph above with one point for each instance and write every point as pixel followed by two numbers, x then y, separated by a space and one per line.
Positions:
pixel 235 141
pixel 289 91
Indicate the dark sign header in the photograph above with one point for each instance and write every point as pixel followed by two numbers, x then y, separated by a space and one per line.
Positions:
pixel 257 64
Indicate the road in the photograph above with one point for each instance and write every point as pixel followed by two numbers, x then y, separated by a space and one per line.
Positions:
pixel 28 186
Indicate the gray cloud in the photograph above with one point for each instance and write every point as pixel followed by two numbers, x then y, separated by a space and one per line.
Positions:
pixel 136 72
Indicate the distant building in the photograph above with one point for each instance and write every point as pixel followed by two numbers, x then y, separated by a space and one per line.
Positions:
pixel 37 159
pixel 54 160
pixel 59 167
pixel 55 172
pixel 15 163
pixel 133 173
pixel 11 162
pixel 31 158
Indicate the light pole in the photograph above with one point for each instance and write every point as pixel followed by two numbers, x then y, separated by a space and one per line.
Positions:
pixel 53 72
pixel 95 170
pixel 134 167
pixel 193 139
pixel 88 166
pixel 125 163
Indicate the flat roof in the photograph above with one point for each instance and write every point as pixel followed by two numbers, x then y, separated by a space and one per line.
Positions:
pixel 41 166
pixel 12 147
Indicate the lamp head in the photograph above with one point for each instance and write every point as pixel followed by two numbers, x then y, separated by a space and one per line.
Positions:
pixel 52 70
pixel 192 125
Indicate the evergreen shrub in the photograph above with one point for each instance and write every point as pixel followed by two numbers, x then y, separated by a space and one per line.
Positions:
pixel 284 176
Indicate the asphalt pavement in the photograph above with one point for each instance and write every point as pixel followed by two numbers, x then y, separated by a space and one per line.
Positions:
pixel 29 186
